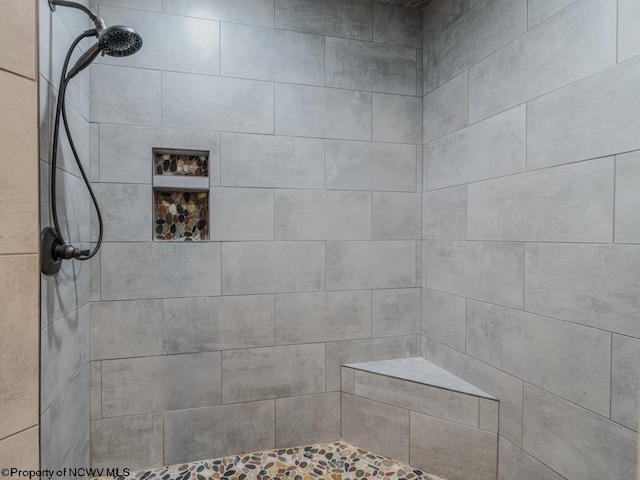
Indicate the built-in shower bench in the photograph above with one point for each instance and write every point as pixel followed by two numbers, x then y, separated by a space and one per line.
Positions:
pixel 413 410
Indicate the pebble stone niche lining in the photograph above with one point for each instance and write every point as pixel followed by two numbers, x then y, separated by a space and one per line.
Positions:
pixel 181 216
pixel 327 461
pixel 183 164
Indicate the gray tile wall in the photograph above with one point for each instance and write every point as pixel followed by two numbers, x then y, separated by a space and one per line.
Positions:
pixel 312 114
pixel 530 228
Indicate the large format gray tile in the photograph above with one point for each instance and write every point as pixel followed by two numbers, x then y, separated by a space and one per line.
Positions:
pixel 443 318
pixel 251 12
pixel 453 450
pixel 21 449
pixel 628 22
pixel 507 389
pixel 485 28
pixel 133 442
pixel 593 285
pixel 370 166
pixel 397 25
pixel 322 215
pixel 397 118
pixel 592 446
pixel 396 216
pixel 516 464
pixel 241 214
pixel 439 16
pixel 368 66
pixel 221 323
pixel 125 95
pixel 539 10
pixel 569 360
pixel 444 214
pixel 340 353
pixel 116 198
pixel 322 317
pixel 487 271
pixel 131 270
pixel 214 432
pixel 126 329
pixel 590 118
pixel 364 265
pixel 308 419
pixel 272 267
pixel 192 47
pixel 322 112
pixel 627 221
pixel 284 162
pixel 625 381
pixel 95 386
pixel 579 41
pixel 337 18
pixel 156 384
pixel 273 55
pixel 571 203
pixel 446 109
pixel 491 148
pixel 395 312
pixel 380 428
pixel 272 372
pixel 215 103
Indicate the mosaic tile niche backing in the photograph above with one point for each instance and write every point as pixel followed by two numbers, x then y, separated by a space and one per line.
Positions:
pixel 192 164
pixel 181 216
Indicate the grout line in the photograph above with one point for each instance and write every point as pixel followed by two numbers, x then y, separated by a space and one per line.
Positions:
pixel 615 178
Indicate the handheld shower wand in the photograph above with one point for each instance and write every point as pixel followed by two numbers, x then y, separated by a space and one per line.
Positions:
pixel 116 41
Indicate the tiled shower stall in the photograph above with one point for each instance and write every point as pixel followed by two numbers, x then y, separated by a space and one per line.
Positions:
pixel 457 182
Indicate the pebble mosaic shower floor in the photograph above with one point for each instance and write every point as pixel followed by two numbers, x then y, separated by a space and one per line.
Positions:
pixel 331 461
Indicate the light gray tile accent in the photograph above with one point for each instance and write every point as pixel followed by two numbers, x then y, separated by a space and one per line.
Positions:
pixel 125 95
pixel 350 265
pixel 628 22
pixel 571 203
pixel 368 66
pixel 507 389
pixel 322 317
pixel 272 372
pixel 439 16
pixel 579 41
pixel 380 428
pixel 208 324
pixel 491 148
pixel 337 18
pixel 130 442
pixel 284 162
pixel 115 199
pixel 132 147
pixel 444 214
pixel 241 214
pixel 321 112
pixel 488 415
pixel 446 109
pixel 484 29
pixel 396 312
pixel 272 267
pixel 95 392
pixel 126 329
pixel 214 432
pixel 433 401
pixel 322 215
pixel 591 118
pixel 576 283
pixel 192 47
pixel 131 270
pixel 274 55
pixel 540 10
pixel 397 25
pixel 340 353
pixel 487 271
pixel 397 118
pixel 571 361
pixel 307 420
pixel 627 221
pixel 251 12
pixel 396 216
pixel 516 464
pixel 625 381
pixel 151 5
pixel 454 450
pixel 197 101
pixel 156 384
pixel 593 446
pixel 443 318
pixel 370 166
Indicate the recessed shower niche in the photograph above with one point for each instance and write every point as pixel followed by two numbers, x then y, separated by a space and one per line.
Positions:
pixel 181 195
